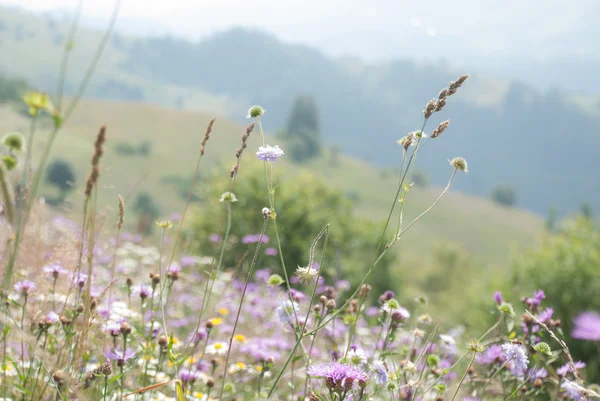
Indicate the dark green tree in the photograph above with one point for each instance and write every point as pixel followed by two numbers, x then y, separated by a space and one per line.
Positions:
pixel 147 211
pixel 303 132
pixel 504 195
pixel 305 205
pixel 60 174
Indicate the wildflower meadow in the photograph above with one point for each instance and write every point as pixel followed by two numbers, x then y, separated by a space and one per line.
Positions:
pixel 91 311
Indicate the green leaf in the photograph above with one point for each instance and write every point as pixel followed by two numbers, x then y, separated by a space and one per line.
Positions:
pixel 510 322
pixel 115 378
pixel 179 390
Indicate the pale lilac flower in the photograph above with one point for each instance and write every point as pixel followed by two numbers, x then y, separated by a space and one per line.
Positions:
pixel 566 368
pixel 215 238
pixel 55 269
pixel 286 310
pixel 119 355
pixel 24 287
pixel 516 353
pixel 52 317
pixel 271 251
pixel 587 326
pixel 188 261
pixel 539 373
pixel 114 329
pixel 572 390
pixel 380 372
pixel 174 268
pixel 269 153
pixel 144 291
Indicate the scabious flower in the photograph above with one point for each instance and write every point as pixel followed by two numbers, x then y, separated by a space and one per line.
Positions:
pixel 228 197
pixel 306 274
pixel 269 153
pixel 380 372
pixel 54 270
pixel 215 238
pixel 566 368
pixel 286 310
pixel 587 326
pixel 24 287
pixel 572 390
pixel 271 251
pixel 516 353
pixel 255 111
pixel 339 376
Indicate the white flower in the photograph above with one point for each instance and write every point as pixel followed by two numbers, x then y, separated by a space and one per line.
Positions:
pixel 228 196
pixel 286 310
pixel 219 348
pixel 357 357
pixel 306 274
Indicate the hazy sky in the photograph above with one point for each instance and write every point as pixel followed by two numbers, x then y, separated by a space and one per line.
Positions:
pixel 370 28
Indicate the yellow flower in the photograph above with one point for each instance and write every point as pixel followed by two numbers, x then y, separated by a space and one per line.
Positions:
pixel 216 321
pixel 241 365
pixel 223 312
pixel 37 101
pixel 259 368
pixel 164 224
pixel 198 394
pixel 240 337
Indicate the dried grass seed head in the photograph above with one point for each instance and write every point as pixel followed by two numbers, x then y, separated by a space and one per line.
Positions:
pixel 440 128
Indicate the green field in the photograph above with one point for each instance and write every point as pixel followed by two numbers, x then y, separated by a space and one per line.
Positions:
pixel 481 227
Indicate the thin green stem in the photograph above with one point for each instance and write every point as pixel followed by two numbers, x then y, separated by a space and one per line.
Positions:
pixel 464 376
pixel 492 376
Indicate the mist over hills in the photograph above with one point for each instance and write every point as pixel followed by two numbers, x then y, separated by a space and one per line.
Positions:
pixel 509 132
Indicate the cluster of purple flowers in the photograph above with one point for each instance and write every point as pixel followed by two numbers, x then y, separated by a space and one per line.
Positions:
pixel 339 377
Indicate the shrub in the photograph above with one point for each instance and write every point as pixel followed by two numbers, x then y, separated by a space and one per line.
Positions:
pixel 61 174
pixel 504 195
pixel 565 266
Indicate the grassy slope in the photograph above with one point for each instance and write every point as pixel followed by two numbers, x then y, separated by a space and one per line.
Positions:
pixel 486 230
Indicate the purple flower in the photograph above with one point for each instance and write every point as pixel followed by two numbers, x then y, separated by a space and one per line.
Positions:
pixel 339 376
pixel 144 291
pixel 271 252
pixel 540 373
pixel 254 238
pixel 566 368
pixel 498 297
pixel 269 153
pixel 80 279
pixel 52 317
pixel 536 300
pixel 24 287
pixel 188 375
pixel 114 329
pixel 572 390
pixel 215 238
pixel 119 355
pixel 174 268
pixel 55 269
pixel 546 315
pixel 188 261
pixel 492 354
pixel 587 326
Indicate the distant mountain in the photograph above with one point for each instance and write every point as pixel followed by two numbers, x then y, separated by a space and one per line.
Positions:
pixel 543 143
